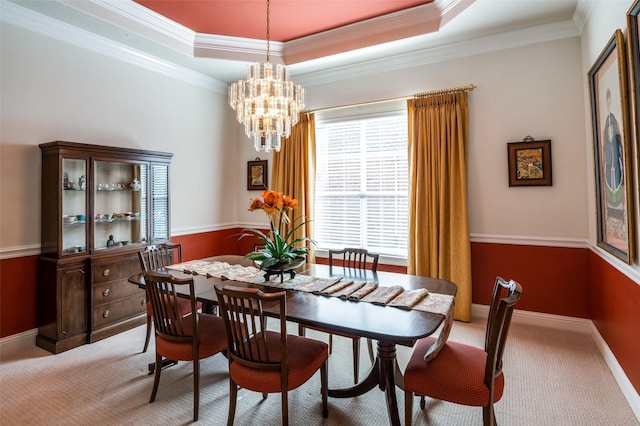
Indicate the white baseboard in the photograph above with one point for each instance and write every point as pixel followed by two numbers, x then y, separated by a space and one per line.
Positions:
pixel 15 343
pixel 580 325
pixel 633 398
pixel 557 322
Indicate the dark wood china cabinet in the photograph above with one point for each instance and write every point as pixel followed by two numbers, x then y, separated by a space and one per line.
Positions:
pixel 100 206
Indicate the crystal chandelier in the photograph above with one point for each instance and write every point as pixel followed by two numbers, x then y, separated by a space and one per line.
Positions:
pixel 267 102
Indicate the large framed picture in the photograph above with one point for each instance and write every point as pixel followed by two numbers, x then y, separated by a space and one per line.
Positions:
pixel 633 21
pixel 257 175
pixel 612 153
pixel 530 163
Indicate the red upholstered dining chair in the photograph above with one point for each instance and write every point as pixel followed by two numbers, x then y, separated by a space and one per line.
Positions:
pixel 465 374
pixel 181 337
pixel 358 260
pixel 262 360
pixel 155 257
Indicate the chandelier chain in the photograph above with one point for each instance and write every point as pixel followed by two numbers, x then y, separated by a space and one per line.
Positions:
pixel 268 29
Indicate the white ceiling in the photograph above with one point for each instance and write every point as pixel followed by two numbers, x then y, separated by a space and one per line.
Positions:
pixel 131 25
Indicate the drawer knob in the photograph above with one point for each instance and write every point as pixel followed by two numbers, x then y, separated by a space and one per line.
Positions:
pixel 105 314
pixel 106 292
pixel 106 272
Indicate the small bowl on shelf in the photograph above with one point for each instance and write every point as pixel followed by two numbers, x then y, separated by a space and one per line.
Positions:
pixel 69 219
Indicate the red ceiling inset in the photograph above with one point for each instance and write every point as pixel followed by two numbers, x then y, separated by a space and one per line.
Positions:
pixel 289 19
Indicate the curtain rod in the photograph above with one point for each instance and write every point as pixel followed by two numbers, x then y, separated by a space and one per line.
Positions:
pixel 467 88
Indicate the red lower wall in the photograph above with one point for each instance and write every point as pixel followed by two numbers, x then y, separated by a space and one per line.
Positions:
pixel 615 311
pixel 18 295
pixel 554 279
pixel 572 282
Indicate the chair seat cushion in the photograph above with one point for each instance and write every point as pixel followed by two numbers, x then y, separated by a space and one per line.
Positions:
pixel 304 357
pixel 455 375
pixel 212 339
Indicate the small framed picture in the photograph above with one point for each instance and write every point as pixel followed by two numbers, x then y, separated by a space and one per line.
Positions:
pixel 612 150
pixel 530 163
pixel 257 175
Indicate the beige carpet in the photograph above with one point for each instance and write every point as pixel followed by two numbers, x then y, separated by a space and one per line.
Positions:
pixel 552 378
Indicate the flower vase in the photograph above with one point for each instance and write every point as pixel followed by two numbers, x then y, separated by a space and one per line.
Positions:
pixel 283 268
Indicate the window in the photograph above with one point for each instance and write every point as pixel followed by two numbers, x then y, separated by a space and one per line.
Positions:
pixel 361 181
pixel 160 202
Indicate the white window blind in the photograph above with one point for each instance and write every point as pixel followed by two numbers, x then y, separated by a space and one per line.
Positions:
pixel 160 202
pixel 361 183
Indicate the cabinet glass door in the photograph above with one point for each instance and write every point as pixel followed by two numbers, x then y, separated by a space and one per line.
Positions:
pixel 120 204
pixel 74 206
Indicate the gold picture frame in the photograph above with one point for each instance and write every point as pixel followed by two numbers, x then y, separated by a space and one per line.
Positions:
pixel 612 150
pixel 530 163
pixel 633 26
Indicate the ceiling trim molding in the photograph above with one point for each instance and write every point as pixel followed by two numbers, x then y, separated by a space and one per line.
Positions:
pixel 407 23
pixel 133 17
pixel 136 18
pixel 52 28
pixel 403 24
pixel 237 48
pixel 582 13
pixel 444 52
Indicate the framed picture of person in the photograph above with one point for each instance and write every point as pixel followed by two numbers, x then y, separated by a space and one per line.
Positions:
pixel 612 150
pixel 257 177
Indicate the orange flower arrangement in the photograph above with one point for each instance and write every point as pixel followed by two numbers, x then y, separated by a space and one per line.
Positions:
pixel 278 250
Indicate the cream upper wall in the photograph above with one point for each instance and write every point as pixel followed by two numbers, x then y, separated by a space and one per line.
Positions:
pixel 534 90
pixel 52 90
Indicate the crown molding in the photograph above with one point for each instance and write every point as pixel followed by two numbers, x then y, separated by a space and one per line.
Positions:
pixel 444 52
pixel 134 17
pixel 237 48
pixel 403 24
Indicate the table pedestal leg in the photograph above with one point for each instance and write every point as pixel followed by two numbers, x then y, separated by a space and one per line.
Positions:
pixel 383 373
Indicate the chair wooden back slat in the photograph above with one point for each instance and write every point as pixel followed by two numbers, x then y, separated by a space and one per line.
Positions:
pixel 169 321
pixel 243 311
pixel 154 257
pixel 354 258
pixel 256 354
pixel 505 295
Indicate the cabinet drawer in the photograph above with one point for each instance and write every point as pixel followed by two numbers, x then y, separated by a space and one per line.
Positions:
pixel 113 312
pixel 114 290
pixel 115 269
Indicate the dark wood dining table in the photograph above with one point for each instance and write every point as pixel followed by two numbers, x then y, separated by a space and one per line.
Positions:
pixel 389 326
